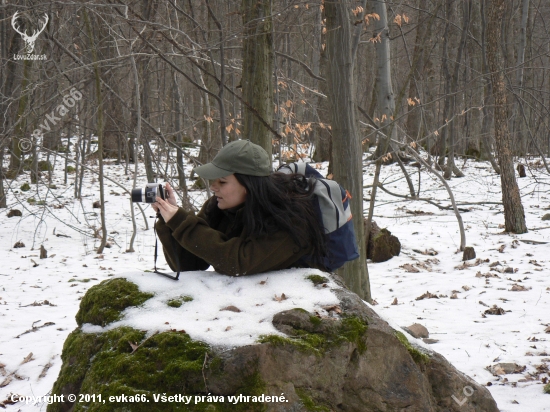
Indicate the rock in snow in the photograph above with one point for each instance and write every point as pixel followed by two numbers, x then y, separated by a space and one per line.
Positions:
pixel 322 348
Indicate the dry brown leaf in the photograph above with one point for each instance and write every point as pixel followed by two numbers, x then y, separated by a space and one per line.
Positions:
pixel 228 328
pixel 394 301
pixel 27 359
pixel 518 288
pixel 231 308
pixel 45 370
pixel 6 381
pixel 409 268
pixel 427 295
pixel 333 308
pixel 495 310
pixel 280 298
pixel 134 346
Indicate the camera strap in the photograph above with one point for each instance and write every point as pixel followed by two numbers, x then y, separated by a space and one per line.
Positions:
pixel 155 270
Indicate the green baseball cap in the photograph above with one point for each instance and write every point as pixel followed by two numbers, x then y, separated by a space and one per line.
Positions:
pixel 240 156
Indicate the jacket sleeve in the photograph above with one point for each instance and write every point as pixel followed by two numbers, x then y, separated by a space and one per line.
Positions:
pixel 235 256
pixel 173 250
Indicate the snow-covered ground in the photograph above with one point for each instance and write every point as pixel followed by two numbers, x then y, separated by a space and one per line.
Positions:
pixel 40 297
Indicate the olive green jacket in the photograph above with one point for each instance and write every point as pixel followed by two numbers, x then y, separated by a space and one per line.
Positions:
pixel 201 241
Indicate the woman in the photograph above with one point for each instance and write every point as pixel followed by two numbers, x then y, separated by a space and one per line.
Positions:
pixel 257 221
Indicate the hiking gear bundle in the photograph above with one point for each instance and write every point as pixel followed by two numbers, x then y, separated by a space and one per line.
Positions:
pixel 333 209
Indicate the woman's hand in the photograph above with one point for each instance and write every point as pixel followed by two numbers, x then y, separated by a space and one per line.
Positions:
pixel 166 209
pixel 170 197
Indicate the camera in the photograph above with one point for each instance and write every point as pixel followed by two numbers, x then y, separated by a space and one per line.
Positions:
pixel 149 193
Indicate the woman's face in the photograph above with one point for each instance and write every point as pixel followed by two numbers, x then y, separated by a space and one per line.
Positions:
pixel 228 191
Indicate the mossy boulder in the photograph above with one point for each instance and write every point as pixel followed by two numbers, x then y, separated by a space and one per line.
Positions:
pixel 382 245
pixel 349 360
pixel 105 302
pixel 25 187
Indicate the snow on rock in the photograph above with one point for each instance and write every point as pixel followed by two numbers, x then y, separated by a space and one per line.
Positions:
pixel 205 297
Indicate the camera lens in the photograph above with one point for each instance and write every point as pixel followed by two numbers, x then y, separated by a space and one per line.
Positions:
pixel 137 195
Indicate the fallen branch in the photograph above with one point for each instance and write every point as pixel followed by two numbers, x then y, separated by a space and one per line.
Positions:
pixel 136 347
pixel 451 196
pixel 35 328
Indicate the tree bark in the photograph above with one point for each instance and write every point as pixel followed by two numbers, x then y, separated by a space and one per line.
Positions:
pixel 257 87
pixel 100 130
pixel 346 144
pixel 514 215
pixel 384 89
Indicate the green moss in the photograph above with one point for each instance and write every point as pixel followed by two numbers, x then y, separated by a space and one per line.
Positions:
pixel 351 329
pixel 105 302
pixel 317 279
pixel 170 362
pixel 177 302
pixel 418 356
pixel 309 403
pixel 25 187
pixel 304 342
pixel 78 280
pixel 70 169
pixel 547 389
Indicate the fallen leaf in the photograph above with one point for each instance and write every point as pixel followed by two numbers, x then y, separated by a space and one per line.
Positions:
pixel 228 328
pixel 231 308
pixel 27 359
pixel 427 295
pixel 495 310
pixel 409 268
pixel 6 381
pixel 280 298
pixel 45 369
pixel 518 288
pixel 394 301
pixel 333 308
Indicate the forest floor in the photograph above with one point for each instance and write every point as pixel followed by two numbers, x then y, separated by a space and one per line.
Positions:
pixel 491 310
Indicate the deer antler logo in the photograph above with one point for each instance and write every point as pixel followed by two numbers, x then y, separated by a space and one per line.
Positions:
pixel 29 40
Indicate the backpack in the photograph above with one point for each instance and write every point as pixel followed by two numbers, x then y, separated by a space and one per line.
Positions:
pixel 332 204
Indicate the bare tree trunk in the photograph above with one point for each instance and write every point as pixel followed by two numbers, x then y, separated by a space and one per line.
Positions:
pixel 514 215
pixel 385 98
pixel 135 148
pixel 257 87
pixel 20 129
pixel 487 145
pixel 519 136
pixel 100 131
pixel 346 149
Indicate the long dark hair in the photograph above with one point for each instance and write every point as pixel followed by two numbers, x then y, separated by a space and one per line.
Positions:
pixel 283 202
